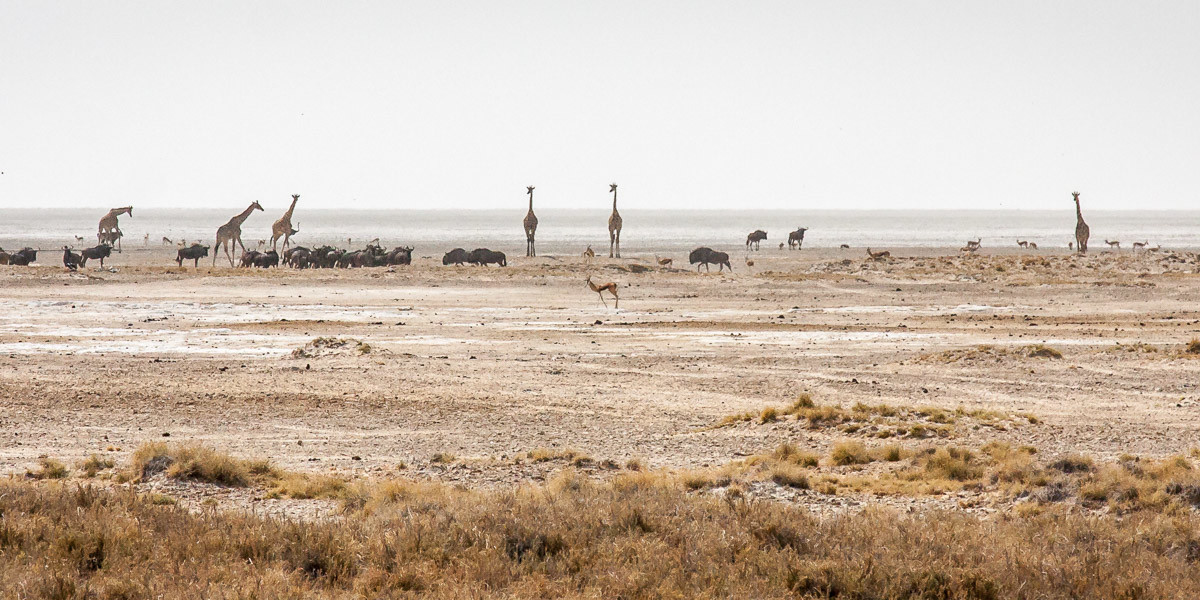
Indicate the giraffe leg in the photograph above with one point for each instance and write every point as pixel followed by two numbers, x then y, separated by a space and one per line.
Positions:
pixel 618 243
pixel 612 239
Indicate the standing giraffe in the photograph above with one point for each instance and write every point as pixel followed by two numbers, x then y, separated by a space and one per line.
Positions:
pixel 108 225
pixel 614 226
pixel 231 233
pixel 283 227
pixel 530 225
pixel 1082 232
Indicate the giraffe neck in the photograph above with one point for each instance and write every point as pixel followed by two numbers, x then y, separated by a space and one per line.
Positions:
pixel 614 200
pixel 1078 212
pixel 287 216
pixel 530 201
pixel 238 220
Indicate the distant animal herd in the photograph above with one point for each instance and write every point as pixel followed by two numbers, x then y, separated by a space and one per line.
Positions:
pixel 229 239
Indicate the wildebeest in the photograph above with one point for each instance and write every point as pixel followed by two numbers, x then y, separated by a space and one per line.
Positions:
pixel 796 238
pixel 100 252
pixel 484 257
pixel 400 255
pixel 249 257
pixel 703 256
pixel 456 256
pixel 298 257
pixel 267 259
pixel 23 257
pixel 70 259
pixel 3 257
pixel 193 253
pixel 755 238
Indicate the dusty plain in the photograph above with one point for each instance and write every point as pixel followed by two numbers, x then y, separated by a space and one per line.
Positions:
pixel 484 365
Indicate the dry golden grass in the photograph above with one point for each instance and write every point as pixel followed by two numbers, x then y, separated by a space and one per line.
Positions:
pixel 94 464
pixel 988 353
pixel 1193 347
pixel 639 536
pixel 48 468
pixel 879 420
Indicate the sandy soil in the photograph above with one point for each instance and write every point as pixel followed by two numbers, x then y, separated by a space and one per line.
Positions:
pixel 489 363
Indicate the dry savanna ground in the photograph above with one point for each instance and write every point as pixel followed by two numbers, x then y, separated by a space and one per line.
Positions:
pixel 815 425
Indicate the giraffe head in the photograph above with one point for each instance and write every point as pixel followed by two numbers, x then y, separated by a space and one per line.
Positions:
pixel 612 187
pixel 295 197
pixel 529 189
pixel 1075 195
pixel 256 205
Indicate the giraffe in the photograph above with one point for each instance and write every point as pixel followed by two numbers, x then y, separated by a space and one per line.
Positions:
pixel 231 233
pixel 530 225
pixel 1082 232
pixel 283 227
pixel 614 226
pixel 108 225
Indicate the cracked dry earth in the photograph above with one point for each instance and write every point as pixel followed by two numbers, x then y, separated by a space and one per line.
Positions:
pixel 488 364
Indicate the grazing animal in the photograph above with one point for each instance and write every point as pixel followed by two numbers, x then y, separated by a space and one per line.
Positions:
pixel 457 256
pixel 974 244
pixel 589 253
pixel 881 255
pixel 704 256
pixel 796 238
pixel 755 238
pixel 969 249
pixel 781 245
pixel 484 257
pixel 23 257
pixel 845 246
pixel 266 260
pixel 108 225
pixel 614 226
pixel 79 239
pixel 194 253
pixel 70 259
pixel 1113 244
pixel 1140 245
pixel 230 234
pixel 1032 246
pixel 530 224
pixel 167 241
pixel 664 262
pixel 1082 231
pixel 610 287
pixel 100 252
pixel 1023 243
pixel 249 257
pixel 1070 245
pixel 283 227
pixel 298 257
pixel 400 255
pixel 4 256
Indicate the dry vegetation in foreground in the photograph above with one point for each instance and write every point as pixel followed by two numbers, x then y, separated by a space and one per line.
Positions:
pixel 640 535
pixel 880 420
pixel 988 353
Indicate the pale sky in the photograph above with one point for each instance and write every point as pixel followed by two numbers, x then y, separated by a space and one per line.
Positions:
pixel 687 104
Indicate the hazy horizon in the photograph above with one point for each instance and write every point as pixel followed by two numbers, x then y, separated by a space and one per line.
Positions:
pixel 701 105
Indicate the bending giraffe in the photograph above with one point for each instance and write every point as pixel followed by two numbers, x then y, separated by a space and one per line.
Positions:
pixel 108 226
pixel 1082 232
pixel 610 287
pixel 283 227
pixel 231 233
pixel 614 227
pixel 530 224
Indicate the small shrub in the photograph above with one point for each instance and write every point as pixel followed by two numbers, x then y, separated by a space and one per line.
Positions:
pixel 789 475
pixel 769 415
pixel 48 468
pixel 849 453
pixel 1193 347
pixel 94 464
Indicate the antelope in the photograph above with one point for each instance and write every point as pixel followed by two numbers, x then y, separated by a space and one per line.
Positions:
pixel 599 289
pixel 1113 244
pixel 878 255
